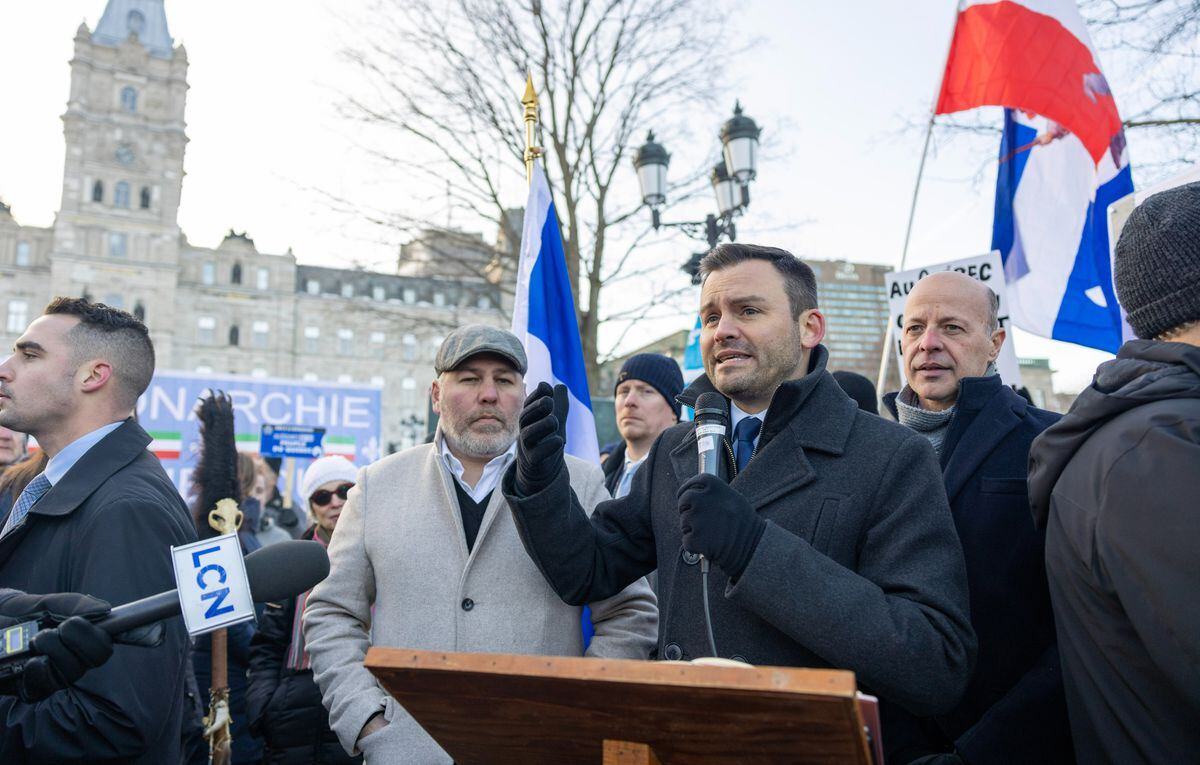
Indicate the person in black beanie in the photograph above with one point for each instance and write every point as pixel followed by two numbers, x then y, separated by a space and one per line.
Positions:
pixel 858 388
pixel 1114 484
pixel 645 406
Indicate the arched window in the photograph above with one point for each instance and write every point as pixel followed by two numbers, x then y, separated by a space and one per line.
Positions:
pixel 236 276
pixel 98 191
pixel 121 195
pixel 145 198
pixel 234 335
pixel 129 99
pixel 139 311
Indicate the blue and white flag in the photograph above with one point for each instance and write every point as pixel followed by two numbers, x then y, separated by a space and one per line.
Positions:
pixel 544 317
pixel 1051 228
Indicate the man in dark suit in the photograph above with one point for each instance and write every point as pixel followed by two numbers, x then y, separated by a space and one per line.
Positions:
pixel 1014 709
pixel 99 520
pixel 832 546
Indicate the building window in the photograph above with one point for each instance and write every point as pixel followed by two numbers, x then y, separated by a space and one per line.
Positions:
pixel 204 369
pixel 313 287
pixel 263 279
pixel 262 332
pixel 121 195
pixel 129 99
pixel 22 253
pixel 312 339
pixel 118 244
pixel 114 301
pixel 345 341
pixel 235 335
pixel 409 348
pixel 439 299
pixel 377 338
pixel 208 272
pixel 258 372
pixel 206 330
pixel 378 293
pixel 484 303
pixel 98 191
pixel 347 290
pixel 309 377
pixel 145 200
pixel 345 379
pixel 410 295
pixel 18 316
pixel 139 311
pixel 235 276
pixel 408 392
pixel 377 381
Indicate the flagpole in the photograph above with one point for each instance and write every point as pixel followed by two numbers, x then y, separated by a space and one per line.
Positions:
pixel 530 102
pixel 912 209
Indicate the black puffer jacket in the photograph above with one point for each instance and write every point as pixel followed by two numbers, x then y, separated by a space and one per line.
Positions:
pixel 284 705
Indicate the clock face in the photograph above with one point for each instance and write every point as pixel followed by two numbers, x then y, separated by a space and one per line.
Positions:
pixel 125 154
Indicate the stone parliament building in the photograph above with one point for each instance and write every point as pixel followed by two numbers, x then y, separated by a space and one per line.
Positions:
pixel 232 309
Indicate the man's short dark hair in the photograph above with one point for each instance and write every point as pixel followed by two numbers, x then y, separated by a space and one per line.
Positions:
pixel 110 333
pixel 799 282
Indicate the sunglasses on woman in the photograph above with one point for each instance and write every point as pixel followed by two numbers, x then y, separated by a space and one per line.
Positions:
pixel 325 496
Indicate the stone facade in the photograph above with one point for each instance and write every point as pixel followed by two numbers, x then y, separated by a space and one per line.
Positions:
pixel 231 309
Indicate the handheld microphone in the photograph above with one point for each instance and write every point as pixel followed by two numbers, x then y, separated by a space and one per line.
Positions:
pixel 277 572
pixel 712 427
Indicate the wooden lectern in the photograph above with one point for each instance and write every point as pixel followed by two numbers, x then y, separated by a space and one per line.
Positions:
pixel 499 708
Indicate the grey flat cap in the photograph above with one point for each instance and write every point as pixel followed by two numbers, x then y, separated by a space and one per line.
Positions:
pixel 467 341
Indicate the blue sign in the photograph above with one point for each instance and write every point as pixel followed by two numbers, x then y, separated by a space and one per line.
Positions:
pixel 348 414
pixel 291 441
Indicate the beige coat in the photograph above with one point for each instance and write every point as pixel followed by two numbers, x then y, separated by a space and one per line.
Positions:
pixel 399 567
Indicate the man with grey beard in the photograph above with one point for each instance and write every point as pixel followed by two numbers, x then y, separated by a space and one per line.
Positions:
pixel 426 555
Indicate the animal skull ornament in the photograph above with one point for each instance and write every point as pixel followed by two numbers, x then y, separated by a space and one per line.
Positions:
pixel 225 517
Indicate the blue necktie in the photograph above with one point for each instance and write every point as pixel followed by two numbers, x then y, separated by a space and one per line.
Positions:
pixel 33 492
pixel 743 440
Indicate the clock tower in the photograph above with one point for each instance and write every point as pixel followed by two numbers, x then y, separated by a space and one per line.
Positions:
pixel 117 237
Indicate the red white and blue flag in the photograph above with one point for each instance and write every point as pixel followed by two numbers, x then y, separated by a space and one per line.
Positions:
pixel 1063 160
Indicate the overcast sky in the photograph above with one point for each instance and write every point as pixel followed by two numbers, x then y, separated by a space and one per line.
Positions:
pixel 831 84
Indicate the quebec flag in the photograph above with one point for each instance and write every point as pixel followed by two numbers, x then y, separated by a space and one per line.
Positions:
pixel 1063 160
pixel 544 317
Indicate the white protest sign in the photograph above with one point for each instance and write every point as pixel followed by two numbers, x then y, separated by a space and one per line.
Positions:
pixel 984 268
pixel 214 590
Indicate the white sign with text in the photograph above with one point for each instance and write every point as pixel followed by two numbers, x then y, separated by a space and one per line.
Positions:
pixel 984 268
pixel 214 591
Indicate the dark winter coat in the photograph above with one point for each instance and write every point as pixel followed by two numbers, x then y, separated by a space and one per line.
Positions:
pixel 1116 486
pixel 284 705
pixel 247 747
pixel 614 467
pixel 106 530
pixel 859 567
pixel 1014 709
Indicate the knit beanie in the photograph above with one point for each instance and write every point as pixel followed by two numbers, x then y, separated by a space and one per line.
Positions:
pixel 1157 263
pixel 324 470
pixel 658 371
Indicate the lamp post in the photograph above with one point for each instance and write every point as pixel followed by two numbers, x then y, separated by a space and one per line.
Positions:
pixel 730 180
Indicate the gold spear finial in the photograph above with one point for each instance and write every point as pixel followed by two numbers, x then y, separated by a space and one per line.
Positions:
pixel 530 102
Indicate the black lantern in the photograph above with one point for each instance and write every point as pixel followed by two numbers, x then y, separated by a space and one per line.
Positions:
pixel 740 138
pixel 651 162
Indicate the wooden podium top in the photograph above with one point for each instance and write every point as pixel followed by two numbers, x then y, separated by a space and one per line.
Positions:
pixel 500 708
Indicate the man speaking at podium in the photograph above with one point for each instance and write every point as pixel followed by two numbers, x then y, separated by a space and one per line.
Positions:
pixel 833 546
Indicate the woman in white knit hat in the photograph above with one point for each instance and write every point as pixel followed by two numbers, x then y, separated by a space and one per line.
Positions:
pixel 283 702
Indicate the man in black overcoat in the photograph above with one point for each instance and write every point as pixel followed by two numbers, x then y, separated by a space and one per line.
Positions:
pixel 1014 709
pixel 833 544
pixel 100 520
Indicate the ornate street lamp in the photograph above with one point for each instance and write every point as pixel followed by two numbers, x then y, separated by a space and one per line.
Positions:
pixel 730 181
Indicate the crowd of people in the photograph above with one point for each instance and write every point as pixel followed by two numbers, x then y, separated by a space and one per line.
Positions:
pixel 1012 584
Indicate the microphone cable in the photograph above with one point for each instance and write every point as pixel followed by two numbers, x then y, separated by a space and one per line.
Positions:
pixel 712 641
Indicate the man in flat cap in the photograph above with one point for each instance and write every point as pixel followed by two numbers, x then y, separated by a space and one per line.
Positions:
pixel 426 555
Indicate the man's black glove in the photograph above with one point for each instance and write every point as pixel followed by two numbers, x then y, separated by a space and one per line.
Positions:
pixel 718 523
pixel 67 646
pixel 539 444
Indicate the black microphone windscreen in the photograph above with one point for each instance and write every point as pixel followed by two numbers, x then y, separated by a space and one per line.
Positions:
pixel 286 569
pixel 711 406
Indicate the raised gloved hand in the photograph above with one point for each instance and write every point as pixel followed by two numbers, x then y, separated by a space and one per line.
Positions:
pixel 539 444
pixel 67 646
pixel 718 523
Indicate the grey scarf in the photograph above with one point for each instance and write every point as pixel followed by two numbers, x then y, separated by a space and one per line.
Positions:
pixel 932 425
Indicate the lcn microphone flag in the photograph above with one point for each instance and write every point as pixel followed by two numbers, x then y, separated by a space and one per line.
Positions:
pixel 544 317
pixel 1063 160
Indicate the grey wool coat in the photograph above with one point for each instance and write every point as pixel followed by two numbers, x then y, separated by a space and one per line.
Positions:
pixel 401 576
pixel 859 568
